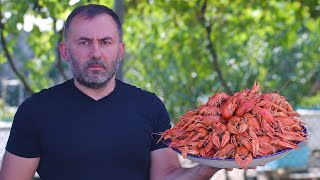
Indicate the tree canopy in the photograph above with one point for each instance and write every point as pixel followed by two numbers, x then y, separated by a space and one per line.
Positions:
pixel 184 51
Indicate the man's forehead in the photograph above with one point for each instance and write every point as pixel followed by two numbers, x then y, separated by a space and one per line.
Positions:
pixel 102 25
pixel 102 18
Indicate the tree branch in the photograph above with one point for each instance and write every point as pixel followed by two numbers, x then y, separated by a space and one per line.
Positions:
pixel 315 88
pixel 10 59
pixel 212 49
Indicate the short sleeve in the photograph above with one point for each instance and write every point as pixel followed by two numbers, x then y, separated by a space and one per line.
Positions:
pixel 24 138
pixel 161 124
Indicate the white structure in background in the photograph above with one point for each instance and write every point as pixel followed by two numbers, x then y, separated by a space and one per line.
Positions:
pixel 11 82
pixel 312 120
pixel 6 126
pixel 4 135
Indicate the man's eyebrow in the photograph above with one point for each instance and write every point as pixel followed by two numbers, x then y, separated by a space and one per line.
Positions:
pixel 84 39
pixel 106 38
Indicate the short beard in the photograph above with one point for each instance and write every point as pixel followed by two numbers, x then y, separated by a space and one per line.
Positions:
pixel 96 80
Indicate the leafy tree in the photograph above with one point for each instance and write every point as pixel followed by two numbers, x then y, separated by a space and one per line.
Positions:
pixel 187 50
pixel 184 51
pixel 45 67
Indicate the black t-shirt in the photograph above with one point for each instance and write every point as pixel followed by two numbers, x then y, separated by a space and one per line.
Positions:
pixel 77 137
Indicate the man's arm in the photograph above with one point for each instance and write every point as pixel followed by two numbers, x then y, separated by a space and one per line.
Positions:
pixel 165 165
pixel 15 167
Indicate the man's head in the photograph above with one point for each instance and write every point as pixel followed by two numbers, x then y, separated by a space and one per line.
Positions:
pixel 90 11
pixel 92 46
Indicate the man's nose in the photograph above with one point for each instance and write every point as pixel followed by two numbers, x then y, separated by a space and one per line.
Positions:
pixel 96 51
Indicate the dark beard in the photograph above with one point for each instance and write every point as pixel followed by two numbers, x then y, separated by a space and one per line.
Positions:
pixel 83 78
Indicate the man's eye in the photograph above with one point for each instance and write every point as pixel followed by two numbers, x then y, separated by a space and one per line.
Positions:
pixel 106 42
pixel 83 42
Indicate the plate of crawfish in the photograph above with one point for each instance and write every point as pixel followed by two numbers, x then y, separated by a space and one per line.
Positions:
pixel 232 163
pixel 242 130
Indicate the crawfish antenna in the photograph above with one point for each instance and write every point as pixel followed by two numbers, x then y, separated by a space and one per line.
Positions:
pixel 284 85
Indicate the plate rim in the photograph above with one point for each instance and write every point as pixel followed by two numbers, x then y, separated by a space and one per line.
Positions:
pixel 304 129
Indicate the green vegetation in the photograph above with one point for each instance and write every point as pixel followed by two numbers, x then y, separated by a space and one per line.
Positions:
pixel 185 51
pixel 6 112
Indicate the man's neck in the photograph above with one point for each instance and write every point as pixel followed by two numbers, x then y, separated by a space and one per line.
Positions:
pixel 97 94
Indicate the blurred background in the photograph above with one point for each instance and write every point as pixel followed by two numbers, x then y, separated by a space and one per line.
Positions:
pixel 184 51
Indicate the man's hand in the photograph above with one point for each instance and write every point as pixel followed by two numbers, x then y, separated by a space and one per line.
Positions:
pixel 203 172
pixel 165 165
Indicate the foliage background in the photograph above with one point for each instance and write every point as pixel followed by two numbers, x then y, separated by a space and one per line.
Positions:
pixel 184 51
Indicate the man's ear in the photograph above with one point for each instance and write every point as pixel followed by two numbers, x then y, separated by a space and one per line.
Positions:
pixel 63 50
pixel 121 50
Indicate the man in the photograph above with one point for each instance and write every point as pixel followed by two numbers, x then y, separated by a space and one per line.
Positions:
pixel 92 126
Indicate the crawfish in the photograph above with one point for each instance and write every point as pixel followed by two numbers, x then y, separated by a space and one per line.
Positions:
pixel 246 106
pixel 252 122
pixel 181 140
pixel 243 157
pixel 198 144
pixel 271 144
pixel 185 121
pixel 264 103
pixel 289 110
pixel 237 125
pixel 249 140
pixel 241 95
pixel 266 127
pixel 289 122
pixel 271 96
pixel 229 107
pixel 265 146
pixel 217 99
pixel 254 89
pixel 254 141
pixel 194 126
pixel 201 132
pixel 220 136
pixel 187 150
pixel 210 120
pixel 209 144
pixel 263 114
pixel 208 110
pixel 283 144
pixel 280 114
pixel 293 136
pixel 226 151
pixel 170 134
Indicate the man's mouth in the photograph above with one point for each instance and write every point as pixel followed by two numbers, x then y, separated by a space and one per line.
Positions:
pixel 95 67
